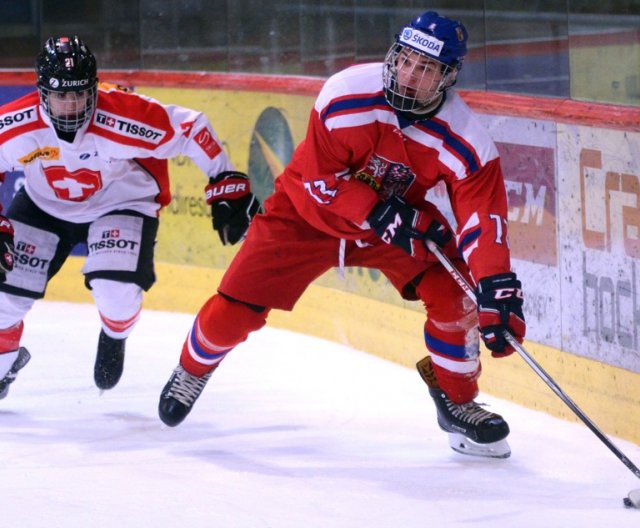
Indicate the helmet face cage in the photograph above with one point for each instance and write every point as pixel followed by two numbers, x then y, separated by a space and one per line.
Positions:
pixel 68 111
pixel 413 81
pixel 67 82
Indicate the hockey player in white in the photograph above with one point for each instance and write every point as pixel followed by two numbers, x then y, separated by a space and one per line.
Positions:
pixel 95 168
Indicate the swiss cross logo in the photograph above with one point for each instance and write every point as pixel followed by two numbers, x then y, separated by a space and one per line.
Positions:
pixel 106 120
pixel 23 247
pixel 111 233
pixel 206 142
pixel 74 186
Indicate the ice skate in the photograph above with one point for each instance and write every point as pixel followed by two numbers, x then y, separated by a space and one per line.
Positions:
pixel 179 394
pixel 472 429
pixel 109 361
pixel 22 358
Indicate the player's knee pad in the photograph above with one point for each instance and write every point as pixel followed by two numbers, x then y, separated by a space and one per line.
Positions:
pixel 226 323
pixel 451 328
pixel 220 325
pixel 119 304
pixel 13 308
pixel 451 334
pixel 443 298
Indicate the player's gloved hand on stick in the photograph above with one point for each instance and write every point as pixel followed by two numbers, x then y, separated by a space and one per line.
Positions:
pixel 6 247
pixel 499 309
pixel 397 223
pixel 233 205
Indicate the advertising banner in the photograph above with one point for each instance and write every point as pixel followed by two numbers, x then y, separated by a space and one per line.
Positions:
pixel 574 214
pixel 599 239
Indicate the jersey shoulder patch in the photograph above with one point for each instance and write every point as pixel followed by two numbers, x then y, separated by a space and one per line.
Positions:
pixel 131 119
pixel 20 116
pixel 354 97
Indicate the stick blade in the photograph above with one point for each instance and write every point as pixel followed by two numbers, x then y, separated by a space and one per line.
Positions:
pixel 632 500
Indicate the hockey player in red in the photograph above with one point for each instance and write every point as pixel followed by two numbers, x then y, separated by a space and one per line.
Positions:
pixel 94 161
pixel 379 136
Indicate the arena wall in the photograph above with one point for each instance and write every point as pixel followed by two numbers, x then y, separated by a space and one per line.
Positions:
pixel 572 171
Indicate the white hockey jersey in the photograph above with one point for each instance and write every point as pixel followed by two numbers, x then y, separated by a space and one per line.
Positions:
pixel 116 160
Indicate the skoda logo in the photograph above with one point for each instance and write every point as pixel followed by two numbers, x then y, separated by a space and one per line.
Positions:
pixel 54 83
pixel 406 34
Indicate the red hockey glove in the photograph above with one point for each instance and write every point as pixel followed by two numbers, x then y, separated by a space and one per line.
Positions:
pixel 6 247
pixel 233 205
pixel 397 223
pixel 499 309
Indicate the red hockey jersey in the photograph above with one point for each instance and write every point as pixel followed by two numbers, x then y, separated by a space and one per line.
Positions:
pixel 358 151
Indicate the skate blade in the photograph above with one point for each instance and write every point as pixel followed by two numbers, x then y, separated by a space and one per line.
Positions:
pixel 461 444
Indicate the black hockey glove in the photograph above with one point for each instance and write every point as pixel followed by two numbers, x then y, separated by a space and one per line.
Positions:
pixel 499 309
pixel 397 223
pixel 233 205
pixel 6 247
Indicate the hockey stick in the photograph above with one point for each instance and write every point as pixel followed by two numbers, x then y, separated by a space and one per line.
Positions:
pixel 469 291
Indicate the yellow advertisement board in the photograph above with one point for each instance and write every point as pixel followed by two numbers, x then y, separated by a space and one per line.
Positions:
pixel 259 131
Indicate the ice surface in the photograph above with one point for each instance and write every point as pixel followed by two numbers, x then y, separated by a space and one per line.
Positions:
pixel 291 432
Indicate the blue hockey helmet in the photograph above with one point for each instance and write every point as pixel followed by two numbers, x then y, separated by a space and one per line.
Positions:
pixel 436 36
pixel 427 44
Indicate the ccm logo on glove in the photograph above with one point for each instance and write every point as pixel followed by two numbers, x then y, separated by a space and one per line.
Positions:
pixel 390 229
pixel 507 293
pixel 397 223
pixel 500 302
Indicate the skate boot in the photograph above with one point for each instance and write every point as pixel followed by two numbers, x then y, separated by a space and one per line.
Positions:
pixel 179 394
pixel 22 358
pixel 472 430
pixel 109 361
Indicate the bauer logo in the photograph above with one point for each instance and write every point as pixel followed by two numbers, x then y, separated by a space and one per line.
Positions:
pixel 270 150
pixel 531 194
pixel 421 41
pixel 125 127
